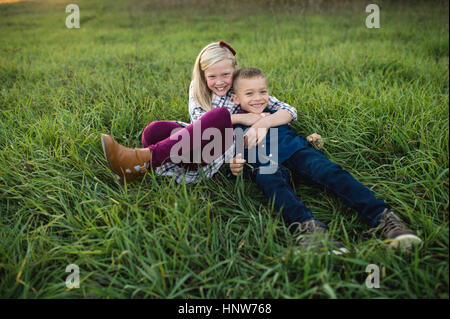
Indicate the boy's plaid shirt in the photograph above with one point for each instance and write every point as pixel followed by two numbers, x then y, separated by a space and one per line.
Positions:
pixel 195 112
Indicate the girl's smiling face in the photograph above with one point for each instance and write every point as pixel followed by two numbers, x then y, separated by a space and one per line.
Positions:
pixel 219 77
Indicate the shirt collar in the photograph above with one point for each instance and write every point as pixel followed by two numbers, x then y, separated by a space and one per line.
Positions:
pixel 216 98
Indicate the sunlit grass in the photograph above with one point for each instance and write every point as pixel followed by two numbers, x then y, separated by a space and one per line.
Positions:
pixel 379 97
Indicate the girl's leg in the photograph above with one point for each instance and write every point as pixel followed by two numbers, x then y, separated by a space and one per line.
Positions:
pixel 214 127
pixel 314 165
pixel 157 131
pixel 192 145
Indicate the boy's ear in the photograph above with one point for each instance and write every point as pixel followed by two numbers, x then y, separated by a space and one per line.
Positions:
pixel 235 98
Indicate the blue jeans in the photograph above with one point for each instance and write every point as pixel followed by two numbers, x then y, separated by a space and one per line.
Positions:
pixel 313 165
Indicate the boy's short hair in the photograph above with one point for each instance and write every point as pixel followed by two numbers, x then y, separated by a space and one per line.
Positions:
pixel 246 73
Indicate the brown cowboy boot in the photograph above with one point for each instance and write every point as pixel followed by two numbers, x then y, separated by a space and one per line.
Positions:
pixel 125 162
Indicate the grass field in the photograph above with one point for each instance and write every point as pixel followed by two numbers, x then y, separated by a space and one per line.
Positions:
pixel 379 97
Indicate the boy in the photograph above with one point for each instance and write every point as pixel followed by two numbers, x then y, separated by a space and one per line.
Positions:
pixel 296 154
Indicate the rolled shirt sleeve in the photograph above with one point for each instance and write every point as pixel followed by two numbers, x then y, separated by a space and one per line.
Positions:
pixel 275 104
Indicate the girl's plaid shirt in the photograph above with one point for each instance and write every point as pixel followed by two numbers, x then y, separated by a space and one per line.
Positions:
pixel 195 112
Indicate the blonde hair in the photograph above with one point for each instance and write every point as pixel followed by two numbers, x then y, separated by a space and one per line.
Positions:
pixel 208 56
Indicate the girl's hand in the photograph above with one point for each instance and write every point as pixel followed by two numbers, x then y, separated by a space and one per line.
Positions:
pixel 237 164
pixel 254 136
pixel 252 118
pixel 315 139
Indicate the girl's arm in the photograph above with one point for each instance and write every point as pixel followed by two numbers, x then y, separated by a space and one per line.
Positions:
pixel 195 111
pixel 259 130
pixel 278 118
pixel 284 114
pixel 276 105
pixel 247 119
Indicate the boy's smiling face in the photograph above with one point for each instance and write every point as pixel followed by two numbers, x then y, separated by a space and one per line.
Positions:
pixel 252 94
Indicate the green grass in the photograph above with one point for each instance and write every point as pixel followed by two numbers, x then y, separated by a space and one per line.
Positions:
pixel 379 96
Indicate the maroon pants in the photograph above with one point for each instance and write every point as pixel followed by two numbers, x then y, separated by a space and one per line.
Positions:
pixel 196 144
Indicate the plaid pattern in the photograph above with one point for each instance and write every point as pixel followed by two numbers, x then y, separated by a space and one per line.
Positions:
pixel 179 173
pixel 195 112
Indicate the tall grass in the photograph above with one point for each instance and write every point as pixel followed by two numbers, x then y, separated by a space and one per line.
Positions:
pixel 378 96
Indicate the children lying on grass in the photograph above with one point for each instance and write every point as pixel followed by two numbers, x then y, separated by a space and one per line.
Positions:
pixel 210 107
pixel 295 153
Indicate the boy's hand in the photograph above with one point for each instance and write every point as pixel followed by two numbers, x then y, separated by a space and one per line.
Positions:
pixel 237 164
pixel 315 139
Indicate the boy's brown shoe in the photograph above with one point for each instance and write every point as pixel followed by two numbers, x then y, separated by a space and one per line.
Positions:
pixel 126 162
pixel 395 232
pixel 315 234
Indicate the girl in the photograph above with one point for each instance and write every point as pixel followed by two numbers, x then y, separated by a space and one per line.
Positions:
pixel 211 88
pixel 210 107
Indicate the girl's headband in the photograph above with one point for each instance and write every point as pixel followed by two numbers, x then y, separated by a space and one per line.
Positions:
pixel 223 44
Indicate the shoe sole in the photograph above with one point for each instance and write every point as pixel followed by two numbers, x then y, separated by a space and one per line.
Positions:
pixel 339 251
pixel 405 242
pixel 105 152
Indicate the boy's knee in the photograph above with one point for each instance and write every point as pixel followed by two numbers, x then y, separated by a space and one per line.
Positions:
pixel 320 164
